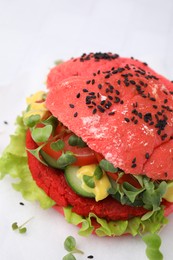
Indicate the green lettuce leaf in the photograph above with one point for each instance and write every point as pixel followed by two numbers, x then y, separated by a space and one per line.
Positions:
pixel 14 162
pixel 134 226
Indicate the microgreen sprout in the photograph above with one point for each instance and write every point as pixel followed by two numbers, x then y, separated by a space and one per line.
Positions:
pixel 153 243
pixel 70 246
pixel 107 166
pixel 22 229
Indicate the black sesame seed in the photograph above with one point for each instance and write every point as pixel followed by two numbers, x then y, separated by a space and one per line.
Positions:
pixel 117 92
pixel 132 82
pixel 71 105
pixel 78 95
pixel 133 165
pixel 75 114
pixel 152 99
pixel 111 113
pixel 90 256
pixel 94 111
pixel 134 160
pixel 107 76
pixel 99 86
pixel 85 90
pixel 117 100
pixel 127 119
pixel 165 100
pixel 147 156
pixel 163 137
pixel 5 122
pixel 88 81
pixel 110 97
pixel 102 102
pixel 108 104
pixel 21 203
pixel 154 106
pixel 101 109
pixel 93 81
pixel 140 115
pixel 119 82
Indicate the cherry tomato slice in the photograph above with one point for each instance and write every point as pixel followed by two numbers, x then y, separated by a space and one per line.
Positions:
pixel 83 155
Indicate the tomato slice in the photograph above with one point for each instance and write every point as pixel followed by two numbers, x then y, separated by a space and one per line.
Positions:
pixel 83 155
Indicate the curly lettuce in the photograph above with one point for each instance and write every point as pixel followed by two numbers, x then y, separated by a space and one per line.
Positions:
pixel 13 162
pixel 134 226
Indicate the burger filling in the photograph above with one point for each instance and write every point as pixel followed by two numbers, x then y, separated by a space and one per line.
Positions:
pixel 88 173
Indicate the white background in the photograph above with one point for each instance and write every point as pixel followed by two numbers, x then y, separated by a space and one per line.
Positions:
pixel 34 34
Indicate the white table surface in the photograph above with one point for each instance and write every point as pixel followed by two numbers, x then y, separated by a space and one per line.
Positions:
pixel 35 33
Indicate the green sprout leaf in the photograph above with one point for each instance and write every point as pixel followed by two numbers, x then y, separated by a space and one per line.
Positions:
pixel 69 256
pixel 130 191
pixel 14 226
pixel 107 166
pixel 70 243
pixel 65 159
pixel 20 228
pixel 76 141
pixel 58 145
pixel 36 153
pixel 32 120
pixel 98 173
pixel 89 181
pixel 53 121
pixel 41 134
pixel 70 246
pixel 153 243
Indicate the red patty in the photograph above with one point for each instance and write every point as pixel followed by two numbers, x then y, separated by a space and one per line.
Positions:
pixel 53 182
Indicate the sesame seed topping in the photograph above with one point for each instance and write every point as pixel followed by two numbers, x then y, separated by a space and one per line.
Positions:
pixel 147 156
pixel 78 95
pixel 75 114
pixel 127 119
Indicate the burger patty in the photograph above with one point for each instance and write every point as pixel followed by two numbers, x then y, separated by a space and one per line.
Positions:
pixel 53 182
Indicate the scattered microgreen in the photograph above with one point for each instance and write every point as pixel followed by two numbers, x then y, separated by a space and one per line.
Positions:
pixel 41 134
pixel 89 181
pixel 65 159
pixel 32 120
pixel 76 141
pixel 57 62
pixel 70 246
pixel 69 256
pixel 107 166
pixel 58 145
pixel 153 243
pixel 22 229
pixel 98 173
